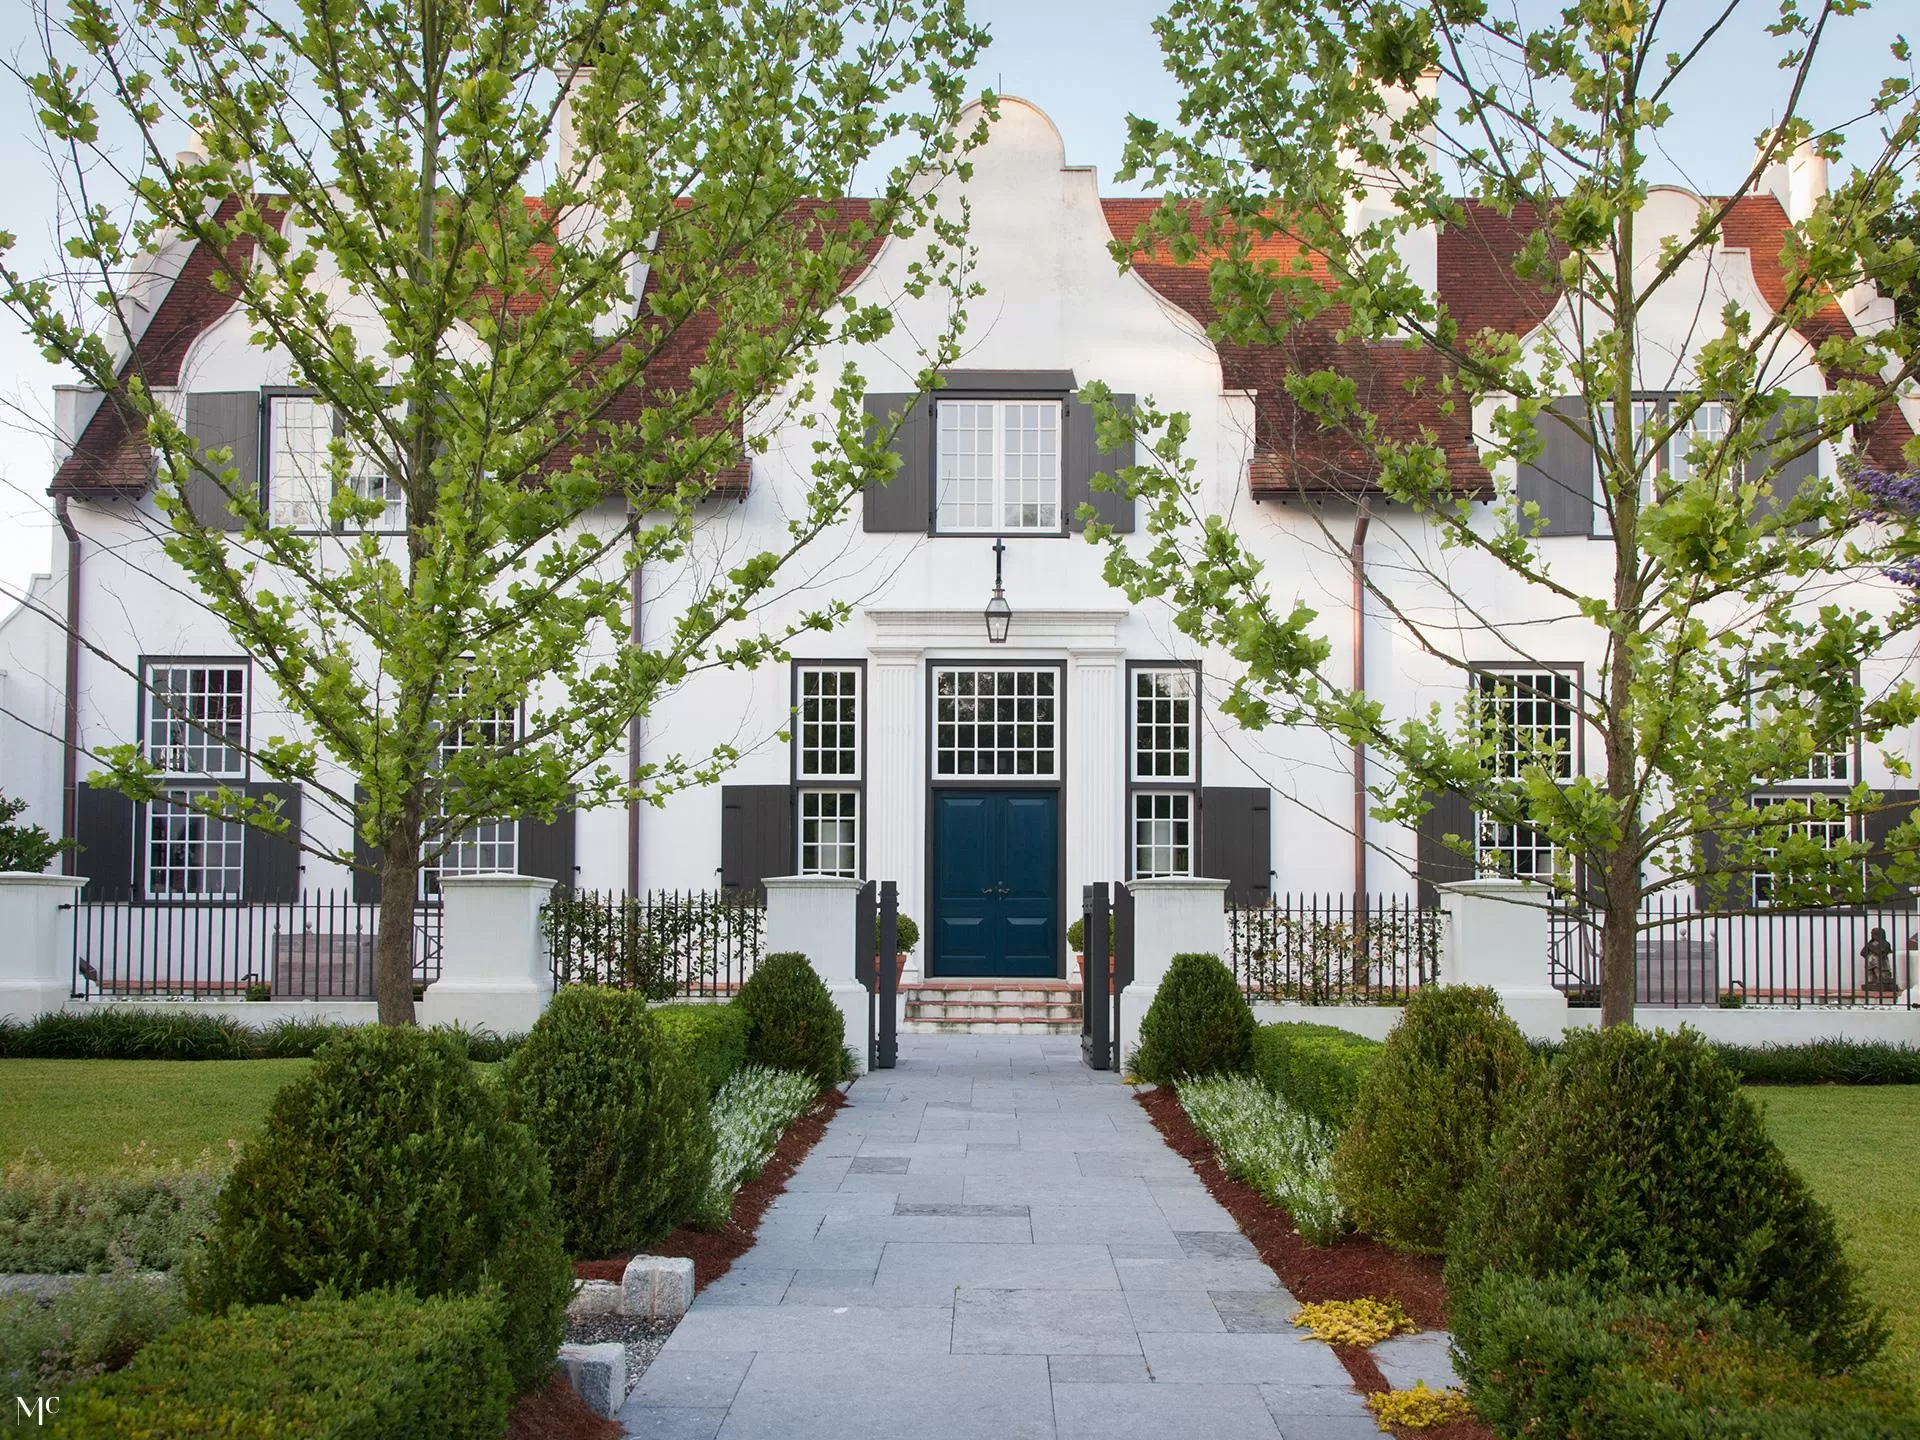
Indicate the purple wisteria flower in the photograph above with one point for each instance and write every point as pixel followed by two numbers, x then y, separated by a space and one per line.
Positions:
pixel 1887 496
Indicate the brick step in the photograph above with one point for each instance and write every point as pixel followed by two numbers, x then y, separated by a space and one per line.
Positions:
pixel 990 1027
pixel 990 1010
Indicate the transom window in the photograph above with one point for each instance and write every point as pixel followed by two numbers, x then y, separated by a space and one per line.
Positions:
pixel 1163 724
pixel 1162 833
pixel 191 855
pixel 994 723
pixel 829 722
pixel 998 465
pixel 830 832
pixel 1529 716
pixel 197 718
pixel 1826 833
pixel 300 435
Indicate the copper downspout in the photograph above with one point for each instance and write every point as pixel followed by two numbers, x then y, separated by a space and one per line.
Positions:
pixel 1359 555
pixel 633 763
pixel 70 754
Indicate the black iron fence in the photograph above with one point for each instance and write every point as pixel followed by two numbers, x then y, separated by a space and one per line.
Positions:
pixel 1325 949
pixel 319 947
pixel 664 943
pixel 1859 955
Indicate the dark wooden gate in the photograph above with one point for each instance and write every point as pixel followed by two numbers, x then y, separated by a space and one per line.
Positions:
pixel 876 940
pixel 1109 970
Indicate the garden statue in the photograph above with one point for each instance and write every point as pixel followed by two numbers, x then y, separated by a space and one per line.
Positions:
pixel 1878 953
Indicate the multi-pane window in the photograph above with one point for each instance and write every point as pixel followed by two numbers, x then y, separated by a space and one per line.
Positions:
pixel 490 846
pixel 998 465
pixel 1827 833
pixel 991 723
pixel 197 718
pixel 1515 850
pixel 1646 414
pixel 830 832
pixel 191 855
pixel 1163 724
pixel 1830 763
pixel 300 435
pixel 1529 717
pixel 829 733
pixel 1704 432
pixel 1162 833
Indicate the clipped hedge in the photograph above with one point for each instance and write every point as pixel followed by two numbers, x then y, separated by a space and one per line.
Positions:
pixel 713 1038
pixel 1450 1072
pixel 1638 1164
pixel 792 1022
pixel 1317 1069
pixel 1199 1024
pixel 621 1115
pixel 391 1163
pixel 1553 1359
pixel 379 1366
pixel 112 1031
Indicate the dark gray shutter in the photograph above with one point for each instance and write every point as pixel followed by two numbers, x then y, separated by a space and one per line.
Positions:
pixel 1236 841
pixel 271 870
pixel 546 849
pixel 1717 888
pixel 756 836
pixel 1561 480
pixel 103 823
pixel 1435 861
pixel 1895 807
pixel 366 860
pixel 905 503
pixel 1047 383
pixel 219 420
pixel 1787 480
pixel 1083 459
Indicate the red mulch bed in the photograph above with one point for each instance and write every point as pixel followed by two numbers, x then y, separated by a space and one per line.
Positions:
pixel 557 1413
pixel 713 1252
pixel 1355 1268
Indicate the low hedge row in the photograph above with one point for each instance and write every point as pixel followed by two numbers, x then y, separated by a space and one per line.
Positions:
pixel 1317 1069
pixel 111 1031
pixel 1833 1061
pixel 379 1366
pixel 713 1038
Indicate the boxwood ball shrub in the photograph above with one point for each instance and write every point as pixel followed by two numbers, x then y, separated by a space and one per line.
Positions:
pixel 792 1022
pixel 712 1037
pixel 1199 1024
pixel 1639 1163
pixel 621 1114
pixel 1426 1113
pixel 380 1366
pixel 391 1163
pixel 1317 1069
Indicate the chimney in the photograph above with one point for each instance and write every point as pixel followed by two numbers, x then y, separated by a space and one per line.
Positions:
pixel 1806 181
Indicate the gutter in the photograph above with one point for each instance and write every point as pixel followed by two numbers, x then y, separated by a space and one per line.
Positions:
pixel 1361 521
pixel 70 751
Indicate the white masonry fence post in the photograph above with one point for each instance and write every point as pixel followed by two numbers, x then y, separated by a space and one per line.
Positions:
pixel 1496 935
pixel 36 942
pixel 494 967
pixel 814 914
pixel 1179 916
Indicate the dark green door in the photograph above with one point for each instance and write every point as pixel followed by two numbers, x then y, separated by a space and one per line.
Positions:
pixel 996 883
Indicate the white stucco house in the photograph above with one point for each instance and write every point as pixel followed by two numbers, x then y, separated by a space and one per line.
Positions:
pixel 990 780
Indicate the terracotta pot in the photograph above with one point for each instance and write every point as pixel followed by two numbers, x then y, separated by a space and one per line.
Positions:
pixel 1081 961
pixel 900 968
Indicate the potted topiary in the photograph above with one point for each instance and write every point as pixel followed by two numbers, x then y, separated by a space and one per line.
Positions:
pixel 1076 942
pixel 908 935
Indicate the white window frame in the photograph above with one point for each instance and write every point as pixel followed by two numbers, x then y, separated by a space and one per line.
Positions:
pixel 1179 715
pixel 480 848
pixel 176 739
pixel 200 838
pixel 1646 414
pixel 1052 726
pixel 1006 515
pixel 816 761
pixel 1824 767
pixel 300 475
pixel 1514 848
pixel 1829 832
pixel 814 843
pixel 1162 824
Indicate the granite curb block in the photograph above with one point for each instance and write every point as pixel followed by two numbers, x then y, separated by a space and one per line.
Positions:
pixel 657 1287
pixel 598 1374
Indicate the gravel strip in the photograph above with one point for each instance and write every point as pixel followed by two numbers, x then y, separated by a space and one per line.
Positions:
pixel 643 1339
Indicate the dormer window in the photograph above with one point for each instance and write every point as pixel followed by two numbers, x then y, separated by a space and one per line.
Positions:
pixel 999 466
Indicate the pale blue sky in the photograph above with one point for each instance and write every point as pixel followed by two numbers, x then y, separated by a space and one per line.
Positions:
pixel 1088 63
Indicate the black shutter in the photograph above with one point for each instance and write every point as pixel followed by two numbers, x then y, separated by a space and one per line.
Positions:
pixel 220 420
pixel 756 836
pixel 1083 459
pixel 1560 482
pixel 1236 841
pixel 103 823
pixel 1436 862
pixel 366 859
pixel 546 849
pixel 271 870
pixel 905 503
pixel 1895 807
pixel 1718 888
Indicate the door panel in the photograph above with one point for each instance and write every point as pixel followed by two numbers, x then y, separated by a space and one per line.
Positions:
pixel 996 905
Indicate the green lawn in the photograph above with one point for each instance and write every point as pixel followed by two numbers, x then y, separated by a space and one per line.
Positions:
pixel 1859 1148
pixel 83 1114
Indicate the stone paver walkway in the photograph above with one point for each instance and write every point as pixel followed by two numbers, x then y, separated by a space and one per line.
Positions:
pixel 992 1241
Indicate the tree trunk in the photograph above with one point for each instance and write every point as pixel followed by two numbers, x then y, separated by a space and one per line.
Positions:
pixel 1618 948
pixel 393 955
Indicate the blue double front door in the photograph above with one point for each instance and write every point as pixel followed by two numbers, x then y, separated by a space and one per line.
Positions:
pixel 996 883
